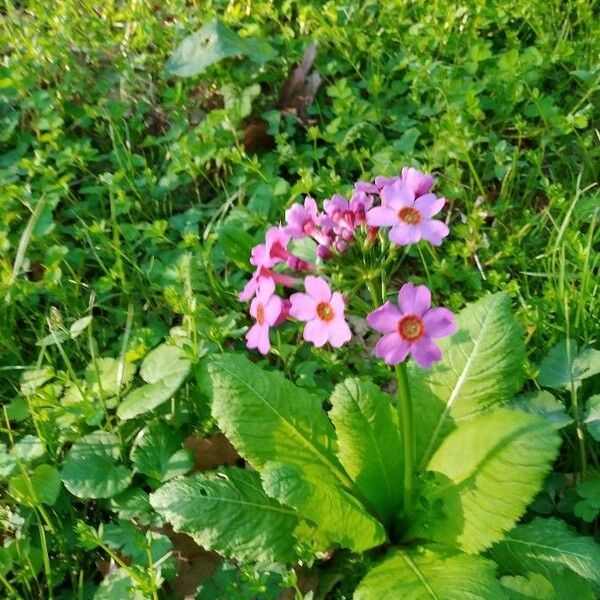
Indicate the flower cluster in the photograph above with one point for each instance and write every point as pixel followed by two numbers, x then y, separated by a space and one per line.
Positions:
pixel 405 205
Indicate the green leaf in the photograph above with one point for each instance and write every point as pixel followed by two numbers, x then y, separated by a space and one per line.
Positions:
pixel 118 586
pixel 533 586
pixel 103 376
pixel 491 467
pixel 482 366
pixel 544 404
pixel 545 545
pixel 423 573
pixel 79 326
pixel 561 584
pixel 565 364
pixel 592 418
pixel 34 379
pixel 340 517
pixel 369 443
pixel 157 452
pixel 269 419
pixel 8 463
pixel 29 448
pixel 41 487
pixel 588 507
pixel 229 512
pixel 164 370
pixel 91 469
pixel 211 44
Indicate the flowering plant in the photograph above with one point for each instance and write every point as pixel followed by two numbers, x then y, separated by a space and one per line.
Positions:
pixel 437 477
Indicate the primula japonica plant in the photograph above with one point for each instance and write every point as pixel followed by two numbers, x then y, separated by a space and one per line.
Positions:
pixel 428 487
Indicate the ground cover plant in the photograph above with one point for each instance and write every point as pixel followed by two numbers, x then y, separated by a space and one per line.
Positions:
pixel 142 403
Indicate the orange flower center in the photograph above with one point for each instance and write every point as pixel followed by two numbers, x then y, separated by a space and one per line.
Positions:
pixel 411 328
pixel 324 311
pixel 260 314
pixel 409 215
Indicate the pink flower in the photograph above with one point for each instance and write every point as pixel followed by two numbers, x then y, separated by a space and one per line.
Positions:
pixel 265 308
pixel 339 211
pixel 409 218
pixel 323 312
pixel 410 327
pixel 302 219
pixel 420 183
pixel 360 203
pixel 274 249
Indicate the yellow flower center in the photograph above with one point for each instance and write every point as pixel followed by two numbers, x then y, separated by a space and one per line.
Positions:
pixel 411 328
pixel 324 311
pixel 409 215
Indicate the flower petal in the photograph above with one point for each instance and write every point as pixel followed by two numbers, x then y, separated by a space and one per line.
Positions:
pixel 439 322
pixel 434 231
pixel 258 337
pixel 385 318
pixel 318 288
pixel 418 181
pixel 392 348
pixel 339 332
pixel 425 352
pixel 380 216
pixel 338 305
pixel 266 288
pixel 316 332
pixel 414 300
pixel 429 205
pixel 273 309
pixel 303 307
pixel 397 196
pixel 404 234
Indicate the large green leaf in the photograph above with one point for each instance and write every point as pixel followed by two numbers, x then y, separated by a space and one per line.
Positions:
pixel 340 517
pixel 543 403
pixel 425 574
pixel 91 469
pixel 158 453
pixel 228 511
pixel 490 467
pixel 163 370
pixel 545 545
pixel 269 419
pixel 561 584
pixel 369 443
pixel 482 366
pixel 565 364
pixel 211 44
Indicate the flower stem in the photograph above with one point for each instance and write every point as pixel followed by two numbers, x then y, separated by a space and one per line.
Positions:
pixel 407 428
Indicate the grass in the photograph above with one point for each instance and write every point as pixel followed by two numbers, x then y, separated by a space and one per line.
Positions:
pixel 134 197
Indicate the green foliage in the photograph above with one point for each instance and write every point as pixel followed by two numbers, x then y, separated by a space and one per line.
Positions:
pixel 566 365
pixel 229 512
pixel 482 366
pixel 213 43
pixel 544 404
pixel 429 573
pixel 130 199
pixel 267 418
pixel 491 467
pixel 527 548
pixel 559 585
pixel 163 370
pixel 369 443
pixel 91 468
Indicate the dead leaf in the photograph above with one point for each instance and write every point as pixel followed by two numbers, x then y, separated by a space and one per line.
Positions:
pixel 300 89
pixel 211 452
